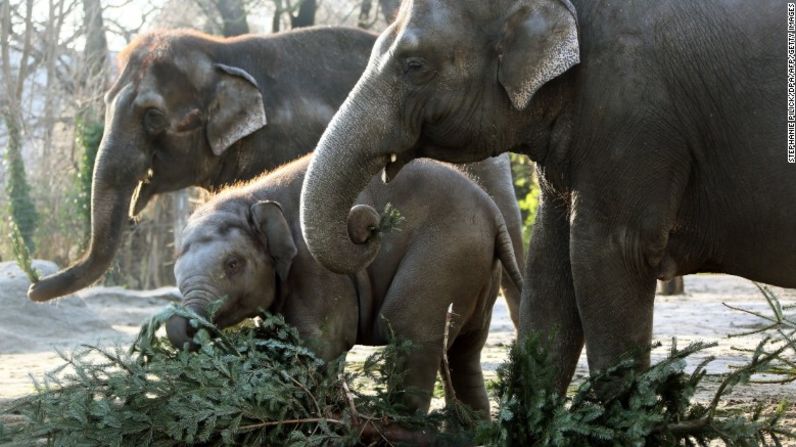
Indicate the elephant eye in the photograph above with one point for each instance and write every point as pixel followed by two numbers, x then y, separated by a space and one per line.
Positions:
pixel 416 70
pixel 233 265
pixel 413 64
pixel 155 121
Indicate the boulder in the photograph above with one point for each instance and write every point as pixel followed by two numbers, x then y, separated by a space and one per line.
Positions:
pixel 27 326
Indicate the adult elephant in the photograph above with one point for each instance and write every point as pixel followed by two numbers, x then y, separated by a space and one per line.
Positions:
pixel 190 109
pixel 658 130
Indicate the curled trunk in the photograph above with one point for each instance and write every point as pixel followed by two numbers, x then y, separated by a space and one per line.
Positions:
pixel 119 168
pixel 109 211
pixel 355 147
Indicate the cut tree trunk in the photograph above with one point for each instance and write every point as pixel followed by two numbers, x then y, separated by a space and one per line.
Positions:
pixel 671 287
pixel 305 16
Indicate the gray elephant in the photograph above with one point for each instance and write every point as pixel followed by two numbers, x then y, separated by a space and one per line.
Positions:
pixel 245 247
pixel 190 109
pixel 658 128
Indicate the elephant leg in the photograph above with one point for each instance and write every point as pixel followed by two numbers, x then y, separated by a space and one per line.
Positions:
pixel 416 305
pixel 414 309
pixel 615 293
pixel 618 242
pixel 420 366
pixel 464 358
pixel 549 309
pixel 616 258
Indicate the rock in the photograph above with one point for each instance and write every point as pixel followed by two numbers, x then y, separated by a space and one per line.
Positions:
pixel 27 326
pixel 162 295
pixel 129 308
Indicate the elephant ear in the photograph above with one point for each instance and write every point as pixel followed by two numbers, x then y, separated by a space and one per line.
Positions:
pixel 271 225
pixel 539 43
pixel 236 110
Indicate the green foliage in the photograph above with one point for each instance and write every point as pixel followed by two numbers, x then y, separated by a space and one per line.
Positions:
pixel 156 395
pixel 780 330
pixel 391 219
pixel 649 408
pixel 257 386
pixel 21 252
pixel 5 436
pixel 20 205
pixel 526 188
pixel 89 136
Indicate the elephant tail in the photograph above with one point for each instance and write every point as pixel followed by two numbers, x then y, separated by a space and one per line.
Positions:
pixel 505 250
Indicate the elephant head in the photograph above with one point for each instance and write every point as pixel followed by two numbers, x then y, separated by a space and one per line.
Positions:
pixel 447 80
pixel 242 260
pixel 170 116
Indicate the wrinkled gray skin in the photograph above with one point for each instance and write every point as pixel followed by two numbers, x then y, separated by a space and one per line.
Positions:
pixel 658 130
pixel 245 246
pixel 190 109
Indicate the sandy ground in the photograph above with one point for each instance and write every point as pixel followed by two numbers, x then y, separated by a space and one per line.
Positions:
pixel 31 333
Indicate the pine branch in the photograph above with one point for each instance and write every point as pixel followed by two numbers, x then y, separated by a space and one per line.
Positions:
pixel 391 219
pixel 21 252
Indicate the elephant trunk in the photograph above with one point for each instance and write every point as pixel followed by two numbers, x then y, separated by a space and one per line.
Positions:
pixel 179 329
pixel 359 142
pixel 180 332
pixel 110 202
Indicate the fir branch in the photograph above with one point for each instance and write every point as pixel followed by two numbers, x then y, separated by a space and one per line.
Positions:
pixel 291 422
pixel 21 251
pixel 257 386
pixel 391 220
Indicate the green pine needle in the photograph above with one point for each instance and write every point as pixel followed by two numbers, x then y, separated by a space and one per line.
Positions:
pixel 252 387
pixel 391 219
pixel 260 386
pixel 21 252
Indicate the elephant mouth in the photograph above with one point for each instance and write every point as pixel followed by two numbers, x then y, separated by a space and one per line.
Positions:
pixel 393 166
pixel 142 194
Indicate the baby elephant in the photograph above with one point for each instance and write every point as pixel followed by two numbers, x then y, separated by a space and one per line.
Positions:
pixel 245 246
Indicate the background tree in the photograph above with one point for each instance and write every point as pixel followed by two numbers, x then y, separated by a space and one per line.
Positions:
pixel 88 121
pixel 20 205
pixel 233 16
pixel 229 17
pixel 95 55
pixel 301 13
pixel 389 9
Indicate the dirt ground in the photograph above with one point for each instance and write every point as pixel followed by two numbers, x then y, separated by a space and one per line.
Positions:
pixel 30 333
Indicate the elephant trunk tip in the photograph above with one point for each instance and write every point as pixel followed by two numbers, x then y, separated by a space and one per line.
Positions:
pixel 363 224
pixel 356 235
pixel 76 277
pixel 180 333
pixel 59 284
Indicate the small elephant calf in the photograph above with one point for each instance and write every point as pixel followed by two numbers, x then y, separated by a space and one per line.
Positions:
pixel 245 246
